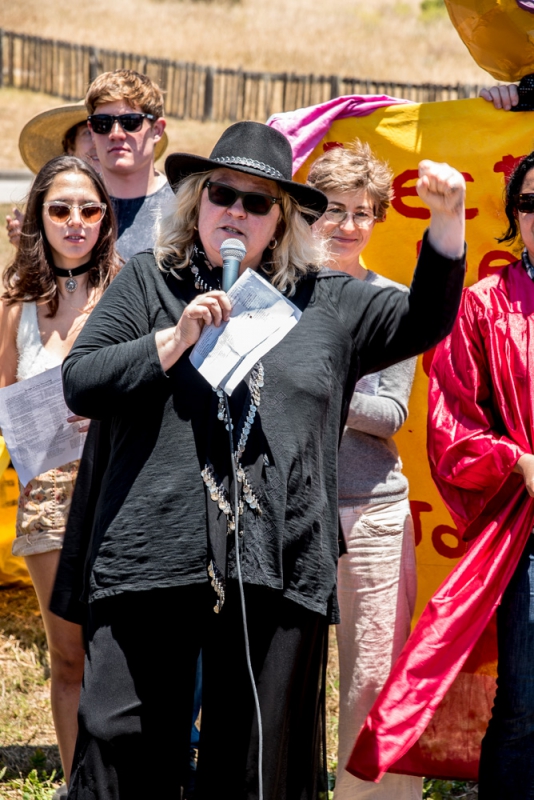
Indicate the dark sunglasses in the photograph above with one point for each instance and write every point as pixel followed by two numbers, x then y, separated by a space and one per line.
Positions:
pixel 90 213
pixel 131 123
pixel 253 202
pixel 525 203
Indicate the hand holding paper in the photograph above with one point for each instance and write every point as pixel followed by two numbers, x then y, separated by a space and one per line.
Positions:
pixel 261 316
pixel 33 418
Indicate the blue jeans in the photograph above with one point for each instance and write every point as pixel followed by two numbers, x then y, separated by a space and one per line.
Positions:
pixel 507 758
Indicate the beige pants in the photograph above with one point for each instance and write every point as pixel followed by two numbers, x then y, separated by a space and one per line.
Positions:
pixel 377 585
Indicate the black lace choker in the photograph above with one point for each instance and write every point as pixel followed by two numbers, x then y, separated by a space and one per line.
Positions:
pixel 71 284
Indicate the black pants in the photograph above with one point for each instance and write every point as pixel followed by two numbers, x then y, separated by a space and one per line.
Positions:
pixel 137 697
pixel 507 756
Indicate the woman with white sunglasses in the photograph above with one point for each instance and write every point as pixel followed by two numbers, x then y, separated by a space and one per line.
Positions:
pixel 65 260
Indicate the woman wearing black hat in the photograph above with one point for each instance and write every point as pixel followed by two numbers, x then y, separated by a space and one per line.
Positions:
pixel 164 527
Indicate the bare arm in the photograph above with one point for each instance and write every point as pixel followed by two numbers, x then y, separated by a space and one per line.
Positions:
pixel 442 188
pixel 9 321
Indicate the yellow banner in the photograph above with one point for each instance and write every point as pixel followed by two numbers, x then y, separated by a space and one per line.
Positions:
pixel 484 144
pixel 12 569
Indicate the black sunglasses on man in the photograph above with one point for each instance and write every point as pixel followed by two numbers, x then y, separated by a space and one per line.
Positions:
pixel 131 123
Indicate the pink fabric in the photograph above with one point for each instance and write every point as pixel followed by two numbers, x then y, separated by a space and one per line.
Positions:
pixel 481 374
pixel 305 127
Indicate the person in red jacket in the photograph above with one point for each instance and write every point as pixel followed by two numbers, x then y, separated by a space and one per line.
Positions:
pixel 481 453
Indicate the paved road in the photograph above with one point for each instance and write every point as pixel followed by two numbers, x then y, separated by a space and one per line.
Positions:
pixel 14 186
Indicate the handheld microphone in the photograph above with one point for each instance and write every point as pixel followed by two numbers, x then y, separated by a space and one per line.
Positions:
pixel 232 252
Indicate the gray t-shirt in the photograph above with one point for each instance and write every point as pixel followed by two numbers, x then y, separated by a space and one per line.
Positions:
pixel 370 468
pixel 137 218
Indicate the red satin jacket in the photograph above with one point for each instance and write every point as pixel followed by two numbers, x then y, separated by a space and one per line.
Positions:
pixel 481 420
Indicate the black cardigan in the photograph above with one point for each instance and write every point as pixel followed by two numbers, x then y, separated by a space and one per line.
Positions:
pixel 150 512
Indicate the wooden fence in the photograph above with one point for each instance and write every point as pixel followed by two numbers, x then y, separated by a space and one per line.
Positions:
pixel 192 91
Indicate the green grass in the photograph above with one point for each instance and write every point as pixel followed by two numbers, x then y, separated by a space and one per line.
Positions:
pixel 35 786
pixel 443 790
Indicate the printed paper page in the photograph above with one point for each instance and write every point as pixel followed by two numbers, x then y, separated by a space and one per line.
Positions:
pixel 33 419
pixel 261 317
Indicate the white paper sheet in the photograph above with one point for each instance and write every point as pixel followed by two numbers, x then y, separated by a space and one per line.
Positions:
pixel 369 384
pixel 33 419
pixel 261 317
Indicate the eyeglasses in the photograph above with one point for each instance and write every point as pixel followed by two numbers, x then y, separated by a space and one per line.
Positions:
pixel 90 213
pixel 131 123
pixel 525 203
pixel 361 218
pixel 253 202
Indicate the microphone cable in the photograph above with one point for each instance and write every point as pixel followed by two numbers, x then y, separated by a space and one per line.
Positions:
pixel 243 605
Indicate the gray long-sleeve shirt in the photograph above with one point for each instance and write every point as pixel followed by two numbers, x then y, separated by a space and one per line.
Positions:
pixel 370 468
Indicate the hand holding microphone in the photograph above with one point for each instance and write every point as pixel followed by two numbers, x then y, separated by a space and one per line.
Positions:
pixel 211 308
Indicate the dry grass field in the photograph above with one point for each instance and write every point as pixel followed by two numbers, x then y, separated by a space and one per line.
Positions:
pixel 28 751
pixel 5 247
pixel 27 739
pixel 383 39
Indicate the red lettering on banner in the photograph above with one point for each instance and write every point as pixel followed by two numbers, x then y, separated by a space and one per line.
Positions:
pixel 418 507
pixel 331 145
pixel 414 212
pixel 400 191
pixel 470 213
pixel 487 265
pixel 507 165
pixel 442 547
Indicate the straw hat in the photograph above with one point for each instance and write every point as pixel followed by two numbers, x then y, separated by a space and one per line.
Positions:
pixel 42 137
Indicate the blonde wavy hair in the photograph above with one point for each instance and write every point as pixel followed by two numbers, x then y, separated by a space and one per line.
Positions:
pixel 352 168
pixel 297 251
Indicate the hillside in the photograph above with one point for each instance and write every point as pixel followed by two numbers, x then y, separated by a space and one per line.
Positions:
pixel 383 39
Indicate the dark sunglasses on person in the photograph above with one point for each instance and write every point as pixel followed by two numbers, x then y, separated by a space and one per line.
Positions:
pixel 525 203
pixel 131 123
pixel 90 213
pixel 253 202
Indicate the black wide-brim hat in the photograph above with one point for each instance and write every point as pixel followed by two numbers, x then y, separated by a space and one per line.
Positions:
pixel 256 149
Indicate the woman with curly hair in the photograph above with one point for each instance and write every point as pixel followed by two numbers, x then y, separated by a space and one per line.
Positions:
pixel 377 579
pixel 65 260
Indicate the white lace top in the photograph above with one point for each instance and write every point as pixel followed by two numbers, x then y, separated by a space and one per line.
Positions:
pixel 33 358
